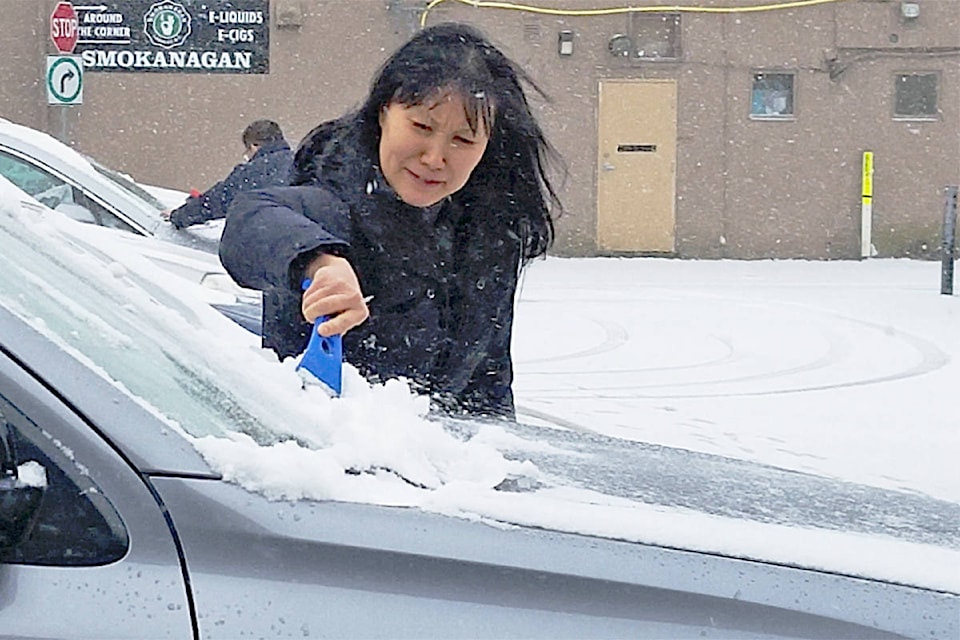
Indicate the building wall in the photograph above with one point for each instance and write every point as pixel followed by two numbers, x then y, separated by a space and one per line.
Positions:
pixel 745 188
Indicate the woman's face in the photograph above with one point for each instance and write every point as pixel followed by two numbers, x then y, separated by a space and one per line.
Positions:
pixel 428 151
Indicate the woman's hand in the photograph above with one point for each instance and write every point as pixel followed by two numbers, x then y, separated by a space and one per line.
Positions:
pixel 334 292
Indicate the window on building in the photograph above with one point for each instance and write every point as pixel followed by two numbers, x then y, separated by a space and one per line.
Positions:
pixel 772 95
pixel 656 36
pixel 916 96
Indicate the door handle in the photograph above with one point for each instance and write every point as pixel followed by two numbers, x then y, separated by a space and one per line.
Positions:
pixel 606 166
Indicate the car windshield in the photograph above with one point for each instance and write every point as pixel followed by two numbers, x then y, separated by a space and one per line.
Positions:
pixel 256 421
pixel 125 183
pixel 100 328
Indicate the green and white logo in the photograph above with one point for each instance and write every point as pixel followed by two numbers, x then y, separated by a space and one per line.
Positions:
pixel 167 24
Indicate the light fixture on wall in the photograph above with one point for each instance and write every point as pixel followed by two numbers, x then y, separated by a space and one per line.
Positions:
pixel 288 14
pixel 910 10
pixel 565 43
pixel 621 45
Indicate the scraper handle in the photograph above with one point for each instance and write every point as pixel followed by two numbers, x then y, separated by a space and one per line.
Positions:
pixel 324 355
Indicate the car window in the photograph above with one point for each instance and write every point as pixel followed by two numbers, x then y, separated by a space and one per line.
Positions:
pixel 77 525
pixel 58 194
pixel 26 176
pixel 128 185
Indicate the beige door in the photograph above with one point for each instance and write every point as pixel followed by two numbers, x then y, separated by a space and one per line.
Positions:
pixel 636 166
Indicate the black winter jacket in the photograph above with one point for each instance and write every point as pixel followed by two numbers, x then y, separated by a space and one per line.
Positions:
pixel 269 167
pixel 442 279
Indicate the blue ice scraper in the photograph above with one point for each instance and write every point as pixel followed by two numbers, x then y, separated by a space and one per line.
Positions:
pixel 323 360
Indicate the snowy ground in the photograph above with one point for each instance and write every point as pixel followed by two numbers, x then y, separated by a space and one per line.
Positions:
pixel 849 369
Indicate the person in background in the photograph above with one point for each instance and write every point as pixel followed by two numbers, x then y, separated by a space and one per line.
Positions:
pixel 426 202
pixel 267 163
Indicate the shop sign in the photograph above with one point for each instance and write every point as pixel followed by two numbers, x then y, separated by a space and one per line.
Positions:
pixel 175 36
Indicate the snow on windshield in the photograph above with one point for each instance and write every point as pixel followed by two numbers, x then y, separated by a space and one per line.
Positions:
pixel 255 423
pixel 208 377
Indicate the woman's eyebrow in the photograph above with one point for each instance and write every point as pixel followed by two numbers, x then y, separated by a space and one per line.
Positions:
pixel 464 129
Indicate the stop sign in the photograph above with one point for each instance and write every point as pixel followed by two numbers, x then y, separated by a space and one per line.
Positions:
pixel 63 27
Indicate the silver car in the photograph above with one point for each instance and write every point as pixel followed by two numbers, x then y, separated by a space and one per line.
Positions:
pixel 77 185
pixel 121 514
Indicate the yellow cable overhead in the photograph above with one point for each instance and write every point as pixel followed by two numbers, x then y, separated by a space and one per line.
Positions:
pixel 482 4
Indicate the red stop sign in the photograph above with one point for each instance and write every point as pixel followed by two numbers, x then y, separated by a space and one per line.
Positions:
pixel 63 27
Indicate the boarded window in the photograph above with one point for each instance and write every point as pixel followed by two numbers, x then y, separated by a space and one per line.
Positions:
pixel 656 36
pixel 772 95
pixel 916 96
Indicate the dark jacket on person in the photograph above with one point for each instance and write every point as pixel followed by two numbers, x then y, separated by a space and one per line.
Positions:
pixel 269 167
pixel 442 278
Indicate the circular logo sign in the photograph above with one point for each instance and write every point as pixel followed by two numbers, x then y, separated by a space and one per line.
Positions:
pixel 167 24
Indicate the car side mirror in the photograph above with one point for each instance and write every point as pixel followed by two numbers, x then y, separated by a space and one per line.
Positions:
pixel 19 500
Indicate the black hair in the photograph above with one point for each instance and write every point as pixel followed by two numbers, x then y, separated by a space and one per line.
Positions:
pixel 260 132
pixel 511 178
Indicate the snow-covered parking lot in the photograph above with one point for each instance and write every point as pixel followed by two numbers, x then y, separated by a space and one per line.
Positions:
pixel 848 369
